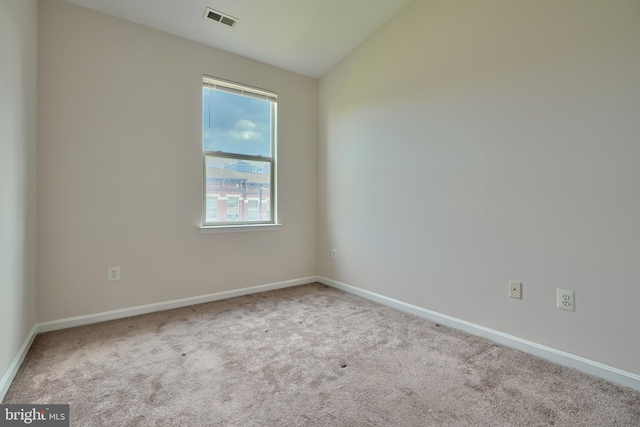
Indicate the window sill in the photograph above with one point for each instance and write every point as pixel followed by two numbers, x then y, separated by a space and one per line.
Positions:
pixel 216 229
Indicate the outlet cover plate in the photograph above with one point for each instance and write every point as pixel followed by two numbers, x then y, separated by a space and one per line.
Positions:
pixel 515 289
pixel 113 274
pixel 566 300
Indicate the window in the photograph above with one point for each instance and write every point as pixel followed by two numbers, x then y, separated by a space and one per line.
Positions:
pixel 238 150
pixel 253 213
pixel 232 208
pixel 212 208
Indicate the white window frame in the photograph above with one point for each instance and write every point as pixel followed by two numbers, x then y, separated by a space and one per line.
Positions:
pixel 272 223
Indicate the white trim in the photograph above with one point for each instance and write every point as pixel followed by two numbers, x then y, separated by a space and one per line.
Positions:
pixel 615 375
pixel 601 370
pixel 71 322
pixel 215 229
pixel 8 377
pixel 167 305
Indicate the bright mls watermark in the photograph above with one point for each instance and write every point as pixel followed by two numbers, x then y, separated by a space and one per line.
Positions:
pixel 34 415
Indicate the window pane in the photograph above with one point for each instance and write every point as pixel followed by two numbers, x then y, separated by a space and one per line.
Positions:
pixel 236 124
pixel 232 208
pixel 212 208
pixel 253 212
pixel 246 186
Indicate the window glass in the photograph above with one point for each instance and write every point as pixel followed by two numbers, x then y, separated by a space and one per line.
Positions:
pixel 212 208
pixel 232 207
pixel 236 124
pixel 238 148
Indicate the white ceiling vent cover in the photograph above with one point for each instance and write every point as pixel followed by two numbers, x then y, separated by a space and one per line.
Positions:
pixel 220 17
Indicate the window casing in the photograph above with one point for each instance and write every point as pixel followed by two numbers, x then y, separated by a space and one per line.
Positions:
pixel 239 154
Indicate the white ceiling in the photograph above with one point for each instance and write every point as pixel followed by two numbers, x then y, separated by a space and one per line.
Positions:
pixel 305 36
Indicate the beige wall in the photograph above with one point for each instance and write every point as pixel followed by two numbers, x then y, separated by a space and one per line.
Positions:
pixel 18 106
pixel 120 171
pixel 464 144
pixel 467 143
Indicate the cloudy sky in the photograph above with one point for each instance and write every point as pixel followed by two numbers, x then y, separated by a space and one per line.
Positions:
pixel 236 124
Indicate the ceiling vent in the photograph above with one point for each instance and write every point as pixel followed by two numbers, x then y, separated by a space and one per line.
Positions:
pixel 220 17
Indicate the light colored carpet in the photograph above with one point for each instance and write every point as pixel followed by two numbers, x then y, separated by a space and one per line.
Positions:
pixel 304 356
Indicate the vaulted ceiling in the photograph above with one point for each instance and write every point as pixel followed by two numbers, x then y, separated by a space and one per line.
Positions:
pixel 305 36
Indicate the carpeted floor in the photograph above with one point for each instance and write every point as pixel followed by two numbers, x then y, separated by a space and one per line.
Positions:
pixel 304 356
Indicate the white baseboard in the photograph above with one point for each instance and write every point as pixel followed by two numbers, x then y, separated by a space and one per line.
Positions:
pixel 167 305
pixel 71 322
pixel 597 369
pixel 8 377
pixel 609 373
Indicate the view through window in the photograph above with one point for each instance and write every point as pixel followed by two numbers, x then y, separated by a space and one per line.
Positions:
pixel 238 141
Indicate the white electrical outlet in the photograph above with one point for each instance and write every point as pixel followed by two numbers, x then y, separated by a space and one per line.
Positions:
pixel 113 274
pixel 515 289
pixel 334 254
pixel 566 300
